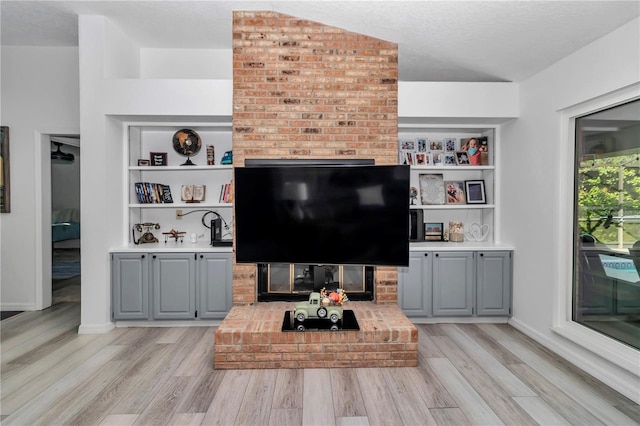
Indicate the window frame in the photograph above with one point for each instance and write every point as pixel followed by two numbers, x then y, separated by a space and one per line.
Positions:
pixel 608 348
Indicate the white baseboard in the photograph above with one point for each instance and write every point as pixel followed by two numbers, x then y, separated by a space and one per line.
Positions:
pixel 95 328
pixel 590 362
pixel 164 323
pixel 459 320
pixel 18 307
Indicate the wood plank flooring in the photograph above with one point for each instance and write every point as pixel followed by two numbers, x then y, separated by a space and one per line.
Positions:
pixel 488 374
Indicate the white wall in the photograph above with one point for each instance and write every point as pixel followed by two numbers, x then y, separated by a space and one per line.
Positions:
pixel 39 95
pixel 216 64
pixel 535 191
pixel 65 181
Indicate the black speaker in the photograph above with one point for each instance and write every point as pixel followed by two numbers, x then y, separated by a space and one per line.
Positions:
pixel 416 225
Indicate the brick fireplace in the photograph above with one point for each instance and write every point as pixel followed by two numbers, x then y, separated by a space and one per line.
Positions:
pixel 307 90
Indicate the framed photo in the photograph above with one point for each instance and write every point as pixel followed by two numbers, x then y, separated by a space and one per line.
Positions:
pixel 450 160
pixel 451 144
pixel 421 144
pixel 436 146
pixel 5 199
pixel 462 158
pixel 455 192
pixel 409 158
pixel 158 158
pixel 431 188
pixel 142 162
pixel 434 231
pixel 408 145
pixel 437 158
pixel 421 159
pixel 475 192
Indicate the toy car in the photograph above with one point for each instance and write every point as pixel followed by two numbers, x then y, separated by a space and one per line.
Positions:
pixel 320 305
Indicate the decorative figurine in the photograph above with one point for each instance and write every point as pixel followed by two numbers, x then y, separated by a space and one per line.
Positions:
pixel 187 142
pixel 147 236
pixel 322 305
pixel 227 158
pixel 174 234
pixel 413 193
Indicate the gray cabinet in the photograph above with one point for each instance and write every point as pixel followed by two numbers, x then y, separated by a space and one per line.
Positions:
pixel 456 283
pixel 414 285
pixel 170 286
pixel 130 286
pixel 493 283
pixel 174 286
pixel 453 281
pixel 214 276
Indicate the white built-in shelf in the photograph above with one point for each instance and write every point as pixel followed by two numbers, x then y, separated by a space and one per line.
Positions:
pixel 451 206
pixel 180 168
pixel 180 205
pixel 451 168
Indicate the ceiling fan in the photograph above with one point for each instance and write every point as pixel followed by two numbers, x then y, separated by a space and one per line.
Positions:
pixel 60 157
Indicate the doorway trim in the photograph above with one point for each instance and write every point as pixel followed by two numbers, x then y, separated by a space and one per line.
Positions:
pixel 43 296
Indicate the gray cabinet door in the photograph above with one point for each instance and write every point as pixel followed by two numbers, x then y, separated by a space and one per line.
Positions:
pixel 493 283
pixel 174 285
pixel 453 283
pixel 130 286
pixel 414 285
pixel 214 285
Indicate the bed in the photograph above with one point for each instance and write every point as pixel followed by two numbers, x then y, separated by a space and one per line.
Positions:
pixel 65 225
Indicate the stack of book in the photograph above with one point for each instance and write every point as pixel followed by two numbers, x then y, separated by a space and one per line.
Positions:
pixel 225 193
pixel 152 193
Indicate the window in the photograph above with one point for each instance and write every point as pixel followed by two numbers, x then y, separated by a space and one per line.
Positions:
pixel 606 283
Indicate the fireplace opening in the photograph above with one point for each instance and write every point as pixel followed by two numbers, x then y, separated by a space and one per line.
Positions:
pixel 292 282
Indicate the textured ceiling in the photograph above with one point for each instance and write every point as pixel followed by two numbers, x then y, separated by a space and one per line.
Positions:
pixel 437 40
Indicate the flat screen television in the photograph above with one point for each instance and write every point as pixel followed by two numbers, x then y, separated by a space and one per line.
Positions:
pixel 322 214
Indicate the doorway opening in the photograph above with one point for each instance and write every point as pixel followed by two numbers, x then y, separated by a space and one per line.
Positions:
pixel 65 219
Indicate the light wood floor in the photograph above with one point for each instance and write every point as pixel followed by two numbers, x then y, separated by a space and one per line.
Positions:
pixel 468 374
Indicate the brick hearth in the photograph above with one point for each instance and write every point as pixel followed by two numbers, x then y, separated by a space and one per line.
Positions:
pixel 250 337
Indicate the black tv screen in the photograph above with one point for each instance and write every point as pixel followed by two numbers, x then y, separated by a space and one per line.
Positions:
pixel 346 214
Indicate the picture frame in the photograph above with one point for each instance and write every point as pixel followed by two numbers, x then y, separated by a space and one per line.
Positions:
pixel 431 188
pixel 450 144
pixel 450 160
pixel 422 144
pixel 158 158
pixel 436 145
pixel 475 192
pixel 408 145
pixel 434 231
pixel 455 192
pixel 462 158
pixel 409 158
pixel 437 158
pixel 143 162
pixel 5 193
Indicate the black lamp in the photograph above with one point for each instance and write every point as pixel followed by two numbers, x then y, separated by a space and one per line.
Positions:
pixel 60 157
